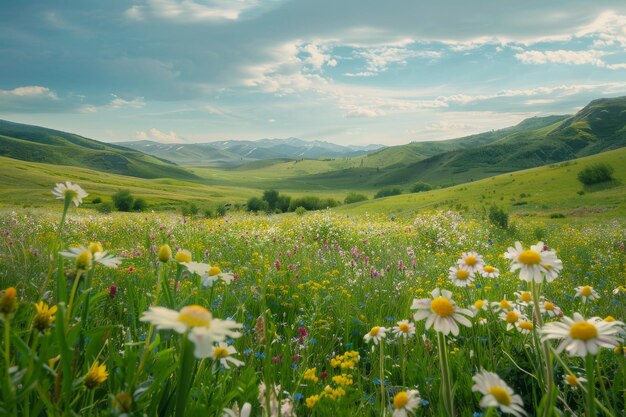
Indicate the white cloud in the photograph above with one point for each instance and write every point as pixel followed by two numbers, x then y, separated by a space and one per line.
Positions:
pixel 380 57
pixel 118 103
pixel 362 112
pixel 317 56
pixel 591 57
pixel 159 136
pixel 186 11
pixel 609 28
pixel 30 91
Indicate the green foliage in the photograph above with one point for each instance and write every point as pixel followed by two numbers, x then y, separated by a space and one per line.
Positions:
pixel 123 200
pixel 221 210
pixel 257 204
pixel 140 204
pixel 105 207
pixel 190 209
pixel 596 173
pixel 283 202
pixel 96 200
pixel 309 202
pixel 388 192
pixel 271 197
pixel 208 213
pixel 300 211
pixel 354 198
pixel 498 217
pixel 557 216
pixel 420 186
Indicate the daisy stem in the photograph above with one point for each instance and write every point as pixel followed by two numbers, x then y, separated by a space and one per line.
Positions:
pixel 403 361
pixel 185 376
pixel 7 359
pixel 70 304
pixel 591 385
pixel 446 389
pixel 547 352
pixel 382 379
pixel 491 411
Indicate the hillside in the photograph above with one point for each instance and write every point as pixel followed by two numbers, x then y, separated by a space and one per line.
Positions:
pixel 39 144
pixel 599 127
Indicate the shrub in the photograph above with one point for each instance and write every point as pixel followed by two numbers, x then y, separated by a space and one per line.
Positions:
pixel 300 211
pixel 420 186
pixel 389 191
pixel 596 173
pixel 221 210
pixel 256 204
pixel 309 202
pixel 208 213
pixel 354 198
pixel 96 200
pixel 498 217
pixel 123 200
pixel 105 207
pixel 190 209
pixel 271 196
pixel 283 202
pixel 557 216
pixel 140 204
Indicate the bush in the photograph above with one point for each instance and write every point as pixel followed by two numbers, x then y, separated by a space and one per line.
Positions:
pixel 208 213
pixel 420 186
pixel 271 196
pixel 282 203
pixel 354 198
pixel 140 204
pixel 389 191
pixel 498 217
pixel 309 202
pixel 256 204
pixel 300 211
pixel 190 209
pixel 96 200
pixel 105 207
pixel 123 200
pixel 221 210
pixel 596 173
pixel 557 216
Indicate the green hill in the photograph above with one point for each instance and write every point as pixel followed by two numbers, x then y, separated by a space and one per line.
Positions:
pixel 38 144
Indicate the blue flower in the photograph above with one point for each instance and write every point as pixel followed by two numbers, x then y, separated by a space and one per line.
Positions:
pixel 312 340
pixel 298 396
pixel 424 403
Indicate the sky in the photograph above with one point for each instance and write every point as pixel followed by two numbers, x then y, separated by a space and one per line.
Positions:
pixel 344 71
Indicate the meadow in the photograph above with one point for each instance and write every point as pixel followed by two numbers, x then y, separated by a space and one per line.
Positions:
pixel 331 313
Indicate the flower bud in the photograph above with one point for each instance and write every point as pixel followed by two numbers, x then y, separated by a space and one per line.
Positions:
pixel 165 253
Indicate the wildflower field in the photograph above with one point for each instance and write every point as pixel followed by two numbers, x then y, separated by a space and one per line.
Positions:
pixel 325 314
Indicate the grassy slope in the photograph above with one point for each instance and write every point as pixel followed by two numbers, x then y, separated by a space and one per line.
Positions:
pixel 550 189
pixel 38 144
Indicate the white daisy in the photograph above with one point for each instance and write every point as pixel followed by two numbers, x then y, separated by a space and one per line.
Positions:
pixel 471 261
pixel 480 305
pixel 489 271
pixel 524 298
pixel 404 329
pixel 524 326
pixel 497 393
pixel 586 293
pixel 549 308
pixel 461 276
pixel 246 410
pixel 69 191
pixel 574 381
pixel 502 305
pixel 209 274
pixel 223 353
pixel 512 317
pixel 441 312
pixel 375 335
pixel 405 402
pixel 580 337
pixel 535 263
pixel 100 256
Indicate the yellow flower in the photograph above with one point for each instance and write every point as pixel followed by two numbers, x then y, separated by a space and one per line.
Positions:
pixel 44 317
pixel 95 247
pixel 96 375
pixel 312 400
pixel 84 260
pixel 309 375
pixel 183 256
pixel 165 253
pixel 8 302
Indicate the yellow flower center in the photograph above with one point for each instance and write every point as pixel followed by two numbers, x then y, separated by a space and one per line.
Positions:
pixel 220 353
pixel 571 379
pixel 215 270
pixel 511 317
pixel 404 327
pixel 526 325
pixel 375 330
pixel 501 395
pixel 479 304
pixel 165 253
pixel 183 256
pixel 548 306
pixel 583 331
pixel 586 291
pixel 489 269
pixel 83 261
pixel 529 257
pixel 441 306
pixel 400 400
pixel 505 305
pixel 609 319
pixel 470 260
pixel 526 297
pixel 195 316
pixel 95 247
pixel 462 274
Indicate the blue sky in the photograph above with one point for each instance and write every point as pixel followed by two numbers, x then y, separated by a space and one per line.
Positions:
pixel 349 71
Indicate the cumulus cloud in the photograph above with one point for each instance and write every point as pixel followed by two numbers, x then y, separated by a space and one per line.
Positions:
pixel 317 56
pixel 190 11
pixel 590 57
pixel 118 103
pixel 362 112
pixel 379 58
pixel 159 136
pixel 30 91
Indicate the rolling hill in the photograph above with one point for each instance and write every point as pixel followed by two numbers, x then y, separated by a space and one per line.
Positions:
pixel 39 144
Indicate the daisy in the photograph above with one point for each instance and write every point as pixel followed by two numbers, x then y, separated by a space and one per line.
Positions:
pixel 535 263
pixel 405 402
pixel 502 305
pixel 489 271
pixel 549 308
pixel 497 393
pixel 375 335
pixel 69 191
pixel 580 337
pixel 209 274
pixel 471 261
pixel 573 381
pixel 586 293
pixel 404 329
pixel 480 305
pixel 246 410
pixel 524 326
pixel 223 352
pixel 98 255
pixel 461 276
pixel 512 317
pixel 524 298
pixel 441 312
